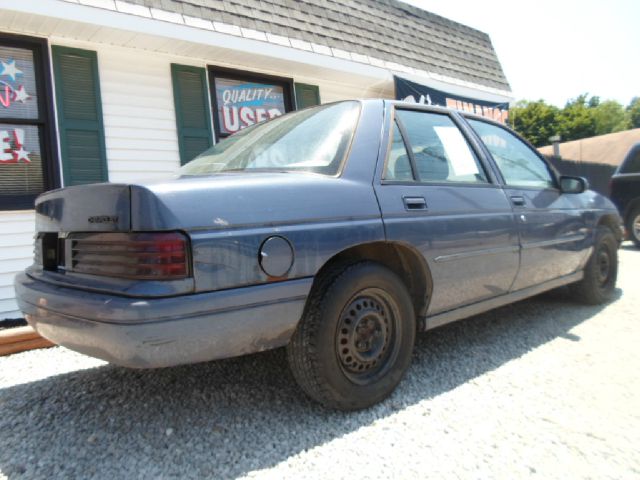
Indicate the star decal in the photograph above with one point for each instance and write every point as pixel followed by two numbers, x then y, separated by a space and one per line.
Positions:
pixel 9 68
pixel 21 154
pixel 20 94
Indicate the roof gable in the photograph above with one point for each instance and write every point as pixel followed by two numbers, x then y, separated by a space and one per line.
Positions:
pixel 388 30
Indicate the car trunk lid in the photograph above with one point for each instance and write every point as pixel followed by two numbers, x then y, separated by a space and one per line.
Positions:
pixel 104 207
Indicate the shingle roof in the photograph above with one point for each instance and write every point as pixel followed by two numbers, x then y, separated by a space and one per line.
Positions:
pixel 384 29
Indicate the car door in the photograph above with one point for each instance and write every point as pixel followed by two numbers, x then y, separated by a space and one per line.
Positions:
pixel 436 195
pixel 553 230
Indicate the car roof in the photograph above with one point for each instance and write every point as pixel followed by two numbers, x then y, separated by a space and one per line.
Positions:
pixel 440 109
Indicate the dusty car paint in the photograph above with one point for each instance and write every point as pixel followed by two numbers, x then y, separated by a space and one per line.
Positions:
pixel 471 243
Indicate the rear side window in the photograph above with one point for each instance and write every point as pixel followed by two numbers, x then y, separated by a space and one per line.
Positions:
pixel 632 163
pixel 519 165
pixel 436 148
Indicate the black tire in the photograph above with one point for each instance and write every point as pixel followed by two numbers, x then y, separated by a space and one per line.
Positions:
pixel 601 271
pixel 355 340
pixel 633 225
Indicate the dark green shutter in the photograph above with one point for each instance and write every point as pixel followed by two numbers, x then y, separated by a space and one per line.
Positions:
pixel 307 95
pixel 192 110
pixel 84 158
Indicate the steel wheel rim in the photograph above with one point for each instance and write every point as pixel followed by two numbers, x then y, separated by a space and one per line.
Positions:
pixel 603 260
pixel 367 335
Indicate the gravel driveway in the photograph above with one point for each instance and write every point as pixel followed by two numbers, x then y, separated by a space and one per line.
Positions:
pixel 544 388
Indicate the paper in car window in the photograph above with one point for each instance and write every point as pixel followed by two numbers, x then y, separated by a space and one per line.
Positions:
pixel 457 150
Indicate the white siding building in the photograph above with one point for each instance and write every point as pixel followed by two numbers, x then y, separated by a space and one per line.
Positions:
pixel 126 91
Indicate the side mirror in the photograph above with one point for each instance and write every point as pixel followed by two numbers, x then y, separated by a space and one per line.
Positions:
pixel 573 184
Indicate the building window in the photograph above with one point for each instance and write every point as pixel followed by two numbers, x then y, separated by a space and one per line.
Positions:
pixel 241 99
pixel 27 167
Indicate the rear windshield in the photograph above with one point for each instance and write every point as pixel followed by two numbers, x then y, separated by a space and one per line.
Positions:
pixel 311 140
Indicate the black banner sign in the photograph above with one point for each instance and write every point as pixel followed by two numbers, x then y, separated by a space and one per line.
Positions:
pixel 414 92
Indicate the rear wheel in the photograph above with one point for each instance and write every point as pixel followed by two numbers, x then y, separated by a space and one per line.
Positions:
pixel 601 271
pixel 355 340
pixel 633 226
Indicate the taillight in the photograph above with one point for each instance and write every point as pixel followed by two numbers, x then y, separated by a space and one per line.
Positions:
pixel 143 256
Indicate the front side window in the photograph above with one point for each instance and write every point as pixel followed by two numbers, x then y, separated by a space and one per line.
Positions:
pixel 437 147
pixel 312 140
pixel 519 165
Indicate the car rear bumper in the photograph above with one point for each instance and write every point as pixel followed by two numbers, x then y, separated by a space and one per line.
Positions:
pixel 162 332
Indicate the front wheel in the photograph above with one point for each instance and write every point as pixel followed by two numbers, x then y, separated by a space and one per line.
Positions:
pixel 355 340
pixel 600 274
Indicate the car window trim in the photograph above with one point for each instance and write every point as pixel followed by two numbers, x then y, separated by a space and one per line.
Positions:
pixel 439 184
pixel 550 168
pixel 492 179
pixel 626 174
pixel 407 146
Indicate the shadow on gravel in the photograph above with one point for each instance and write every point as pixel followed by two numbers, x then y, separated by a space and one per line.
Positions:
pixel 230 417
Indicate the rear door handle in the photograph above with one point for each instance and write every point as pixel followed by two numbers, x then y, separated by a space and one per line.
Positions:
pixel 518 200
pixel 414 203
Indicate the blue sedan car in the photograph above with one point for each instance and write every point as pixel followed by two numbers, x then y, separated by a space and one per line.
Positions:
pixel 337 231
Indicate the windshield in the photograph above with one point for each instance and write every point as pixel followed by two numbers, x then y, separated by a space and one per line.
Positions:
pixel 311 140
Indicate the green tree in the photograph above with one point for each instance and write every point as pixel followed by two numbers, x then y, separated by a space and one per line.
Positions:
pixel 633 111
pixel 610 116
pixel 577 120
pixel 535 121
pixel 581 117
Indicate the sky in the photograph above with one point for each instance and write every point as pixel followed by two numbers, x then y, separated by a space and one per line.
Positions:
pixel 557 49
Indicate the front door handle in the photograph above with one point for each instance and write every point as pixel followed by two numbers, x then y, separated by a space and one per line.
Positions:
pixel 518 200
pixel 414 203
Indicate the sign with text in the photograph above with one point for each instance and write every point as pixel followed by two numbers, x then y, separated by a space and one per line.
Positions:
pixel 241 103
pixel 409 91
